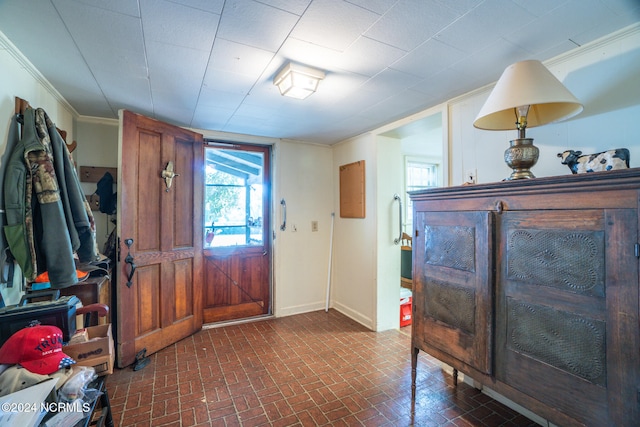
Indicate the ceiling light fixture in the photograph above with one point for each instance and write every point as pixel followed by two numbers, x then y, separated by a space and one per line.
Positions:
pixel 527 95
pixel 297 81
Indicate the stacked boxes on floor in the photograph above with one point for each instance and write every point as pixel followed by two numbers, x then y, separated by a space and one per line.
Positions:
pixel 97 351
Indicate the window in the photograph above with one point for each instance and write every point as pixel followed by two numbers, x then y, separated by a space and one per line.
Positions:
pixel 233 199
pixel 420 174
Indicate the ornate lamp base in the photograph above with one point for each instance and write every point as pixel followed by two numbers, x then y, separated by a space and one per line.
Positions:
pixel 521 156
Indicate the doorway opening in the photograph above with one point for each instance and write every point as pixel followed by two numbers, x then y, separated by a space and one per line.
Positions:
pixel 420 162
pixel 236 224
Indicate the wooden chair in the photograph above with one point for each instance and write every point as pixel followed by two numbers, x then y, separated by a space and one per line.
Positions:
pixel 406 279
pixel 92 313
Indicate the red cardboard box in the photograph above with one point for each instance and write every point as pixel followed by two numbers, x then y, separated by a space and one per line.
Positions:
pixel 405 312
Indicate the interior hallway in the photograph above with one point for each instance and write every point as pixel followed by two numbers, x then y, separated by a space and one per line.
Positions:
pixel 310 369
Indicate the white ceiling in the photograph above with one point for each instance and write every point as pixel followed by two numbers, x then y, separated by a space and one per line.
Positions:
pixel 209 64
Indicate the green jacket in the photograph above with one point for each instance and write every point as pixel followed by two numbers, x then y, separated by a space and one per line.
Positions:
pixel 48 217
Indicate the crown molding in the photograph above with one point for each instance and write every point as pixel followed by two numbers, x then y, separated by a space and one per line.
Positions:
pixel 98 120
pixel 7 45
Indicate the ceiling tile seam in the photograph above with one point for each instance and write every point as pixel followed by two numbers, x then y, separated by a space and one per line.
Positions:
pixel 282 9
pixel 204 75
pixel 96 6
pixel 371 10
pixel 362 34
pixel 438 34
pixel 434 37
pixel 146 61
pixel 275 54
pixel 574 42
pixel 290 37
pixel 104 95
pixel 188 6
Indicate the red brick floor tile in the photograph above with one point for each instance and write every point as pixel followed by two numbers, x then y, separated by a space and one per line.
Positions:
pixel 313 369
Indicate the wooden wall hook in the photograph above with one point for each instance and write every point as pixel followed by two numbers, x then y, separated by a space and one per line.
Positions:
pixel 21 105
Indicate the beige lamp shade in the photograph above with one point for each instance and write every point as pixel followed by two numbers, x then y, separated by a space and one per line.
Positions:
pixel 527 83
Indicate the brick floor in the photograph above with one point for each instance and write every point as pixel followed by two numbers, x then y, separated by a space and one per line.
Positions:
pixel 313 369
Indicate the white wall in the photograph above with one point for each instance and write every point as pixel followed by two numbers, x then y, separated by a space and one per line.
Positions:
pixel 389 180
pixel 19 78
pixel 304 180
pixel 603 75
pixel 97 146
pixel 354 262
pixel 366 280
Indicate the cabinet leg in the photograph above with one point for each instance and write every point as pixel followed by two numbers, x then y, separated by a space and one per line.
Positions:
pixel 455 377
pixel 414 364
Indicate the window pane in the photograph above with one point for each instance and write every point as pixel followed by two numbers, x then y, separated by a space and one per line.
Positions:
pixel 233 198
pixel 420 175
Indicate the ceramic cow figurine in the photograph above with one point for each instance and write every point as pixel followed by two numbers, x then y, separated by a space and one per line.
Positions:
pixel 604 161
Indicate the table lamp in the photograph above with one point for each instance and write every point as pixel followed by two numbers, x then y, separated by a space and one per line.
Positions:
pixel 527 95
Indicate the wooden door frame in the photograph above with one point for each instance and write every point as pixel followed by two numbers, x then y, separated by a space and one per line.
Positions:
pixel 267 200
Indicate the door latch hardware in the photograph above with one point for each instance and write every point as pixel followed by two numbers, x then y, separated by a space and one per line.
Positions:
pixel 129 260
pixel 168 174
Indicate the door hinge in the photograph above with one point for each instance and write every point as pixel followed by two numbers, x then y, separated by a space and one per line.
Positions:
pixel 637 250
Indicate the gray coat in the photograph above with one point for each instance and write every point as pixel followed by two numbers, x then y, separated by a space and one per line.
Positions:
pixel 48 217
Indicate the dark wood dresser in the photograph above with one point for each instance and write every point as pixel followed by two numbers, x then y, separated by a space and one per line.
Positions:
pixel 530 287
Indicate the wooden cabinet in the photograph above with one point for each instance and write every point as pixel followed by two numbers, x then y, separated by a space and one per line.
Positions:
pixel 452 286
pixel 92 290
pixel 531 288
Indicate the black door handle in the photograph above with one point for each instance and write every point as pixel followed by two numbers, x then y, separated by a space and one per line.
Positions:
pixel 129 260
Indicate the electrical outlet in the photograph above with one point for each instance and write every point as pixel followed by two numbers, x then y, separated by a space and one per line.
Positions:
pixel 470 176
pixel 314 225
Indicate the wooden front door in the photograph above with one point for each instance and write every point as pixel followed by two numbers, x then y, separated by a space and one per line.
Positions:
pixel 237 226
pixel 159 301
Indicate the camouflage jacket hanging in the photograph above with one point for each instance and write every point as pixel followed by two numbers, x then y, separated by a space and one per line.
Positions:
pixel 48 217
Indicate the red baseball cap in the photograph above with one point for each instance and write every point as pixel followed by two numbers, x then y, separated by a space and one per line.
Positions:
pixel 37 348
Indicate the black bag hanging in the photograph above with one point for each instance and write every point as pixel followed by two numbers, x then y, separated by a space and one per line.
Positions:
pixel 107 203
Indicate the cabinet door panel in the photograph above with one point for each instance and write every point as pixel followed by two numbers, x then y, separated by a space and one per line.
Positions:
pixel 453 269
pixel 557 284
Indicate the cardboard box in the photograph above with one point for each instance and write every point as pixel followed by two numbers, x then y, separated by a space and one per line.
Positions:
pixel 97 352
pixel 405 312
pixel 103 365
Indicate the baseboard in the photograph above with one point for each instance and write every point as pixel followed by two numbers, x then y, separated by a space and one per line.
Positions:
pixel 299 309
pixel 354 315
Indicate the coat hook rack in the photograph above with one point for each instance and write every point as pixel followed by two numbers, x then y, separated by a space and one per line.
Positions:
pixel 22 104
